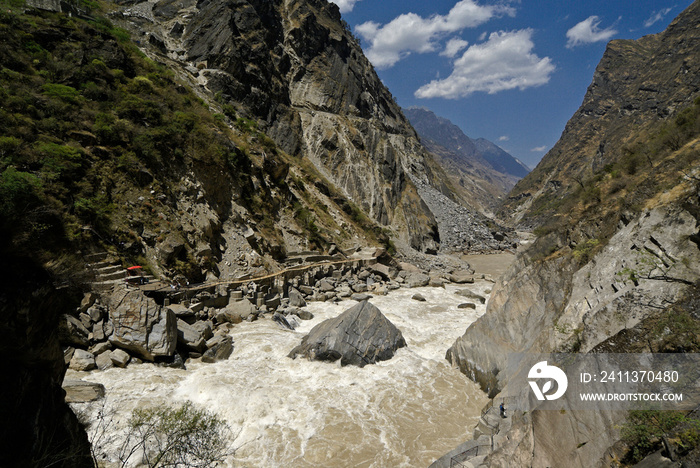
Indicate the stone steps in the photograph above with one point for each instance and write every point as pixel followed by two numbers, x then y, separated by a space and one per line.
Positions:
pixel 96 257
pixel 107 269
pixel 107 274
pixel 112 273
pixel 105 285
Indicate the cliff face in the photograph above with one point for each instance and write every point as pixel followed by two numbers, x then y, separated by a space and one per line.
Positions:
pixel 39 429
pixel 295 68
pixel 553 304
pixel 630 297
pixel 637 84
pixel 618 270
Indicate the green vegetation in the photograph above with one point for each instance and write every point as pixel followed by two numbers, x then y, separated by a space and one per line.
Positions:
pixel 246 125
pixel 646 431
pixel 584 250
pixel 653 162
pixel 160 437
pixel 96 140
pixel 183 436
pixel 651 266
pixel 84 117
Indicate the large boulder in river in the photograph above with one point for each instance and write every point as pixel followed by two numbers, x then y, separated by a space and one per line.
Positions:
pixel 220 348
pixel 471 295
pixel 361 335
pixel 417 280
pixel 141 326
pixel 190 337
pixel 296 299
pixel 236 312
pixel 82 360
pixel 78 391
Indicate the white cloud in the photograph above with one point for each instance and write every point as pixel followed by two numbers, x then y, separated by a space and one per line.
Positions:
pixel 587 31
pixel 505 61
pixel 410 32
pixel 504 138
pixel 657 16
pixel 345 5
pixel 538 149
pixel 453 47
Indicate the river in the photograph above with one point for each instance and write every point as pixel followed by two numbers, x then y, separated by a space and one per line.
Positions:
pixel 407 411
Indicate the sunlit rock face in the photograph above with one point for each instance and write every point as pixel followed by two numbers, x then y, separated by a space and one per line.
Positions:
pixel 359 336
pixel 297 70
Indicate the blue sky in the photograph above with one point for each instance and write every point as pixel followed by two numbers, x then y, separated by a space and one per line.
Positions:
pixel 512 72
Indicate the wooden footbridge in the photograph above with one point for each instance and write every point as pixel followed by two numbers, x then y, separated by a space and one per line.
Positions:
pixel 277 281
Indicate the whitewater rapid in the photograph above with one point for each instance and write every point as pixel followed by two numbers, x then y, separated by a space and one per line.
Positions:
pixel 407 411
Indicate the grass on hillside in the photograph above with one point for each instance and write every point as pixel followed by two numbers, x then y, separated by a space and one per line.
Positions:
pixel 653 163
pixel 95 139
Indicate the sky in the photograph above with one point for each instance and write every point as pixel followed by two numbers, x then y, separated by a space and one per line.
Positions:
pixel 510 71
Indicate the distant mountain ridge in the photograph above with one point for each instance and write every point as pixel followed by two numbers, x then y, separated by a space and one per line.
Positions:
pixel 445 133
pixel 500 159
pixel 479 169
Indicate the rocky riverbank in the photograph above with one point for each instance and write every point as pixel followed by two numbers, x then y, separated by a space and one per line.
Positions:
pixel 301 412
pixel 551 303
pixel 129 325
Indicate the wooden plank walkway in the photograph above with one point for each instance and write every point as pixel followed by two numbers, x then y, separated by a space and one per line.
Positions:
pixel 163 287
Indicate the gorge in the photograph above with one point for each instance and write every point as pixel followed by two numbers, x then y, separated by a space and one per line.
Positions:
pixel 221 145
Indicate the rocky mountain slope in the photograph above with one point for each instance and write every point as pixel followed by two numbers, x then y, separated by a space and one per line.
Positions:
pixel 501 160
pixel 222 140
pixel 616 268
pixel 105 149
pixel 480 173
pixel 296 69
pixel 637 84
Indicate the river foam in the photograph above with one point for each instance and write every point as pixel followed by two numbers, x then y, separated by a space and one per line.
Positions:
pixel 407 411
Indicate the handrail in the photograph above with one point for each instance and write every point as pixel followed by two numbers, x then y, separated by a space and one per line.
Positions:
pixel 273 275
pixel 457 460
pixel 264 277
pixel 487 407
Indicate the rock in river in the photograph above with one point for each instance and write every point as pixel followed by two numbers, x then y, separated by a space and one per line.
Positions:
pixel 78 391
pixel 361 335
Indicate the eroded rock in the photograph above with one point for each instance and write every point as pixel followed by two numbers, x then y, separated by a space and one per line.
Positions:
pixel 359 336
pixel 82 360
pixel 220 348
pixel 296 299
pixel 140 326
pixel 79 391
pixel 236 312
pixel 190 337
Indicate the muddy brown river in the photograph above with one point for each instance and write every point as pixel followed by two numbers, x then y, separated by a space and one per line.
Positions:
pixel 407 411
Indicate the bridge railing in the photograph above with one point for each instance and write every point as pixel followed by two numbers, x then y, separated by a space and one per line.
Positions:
pixel 458 460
